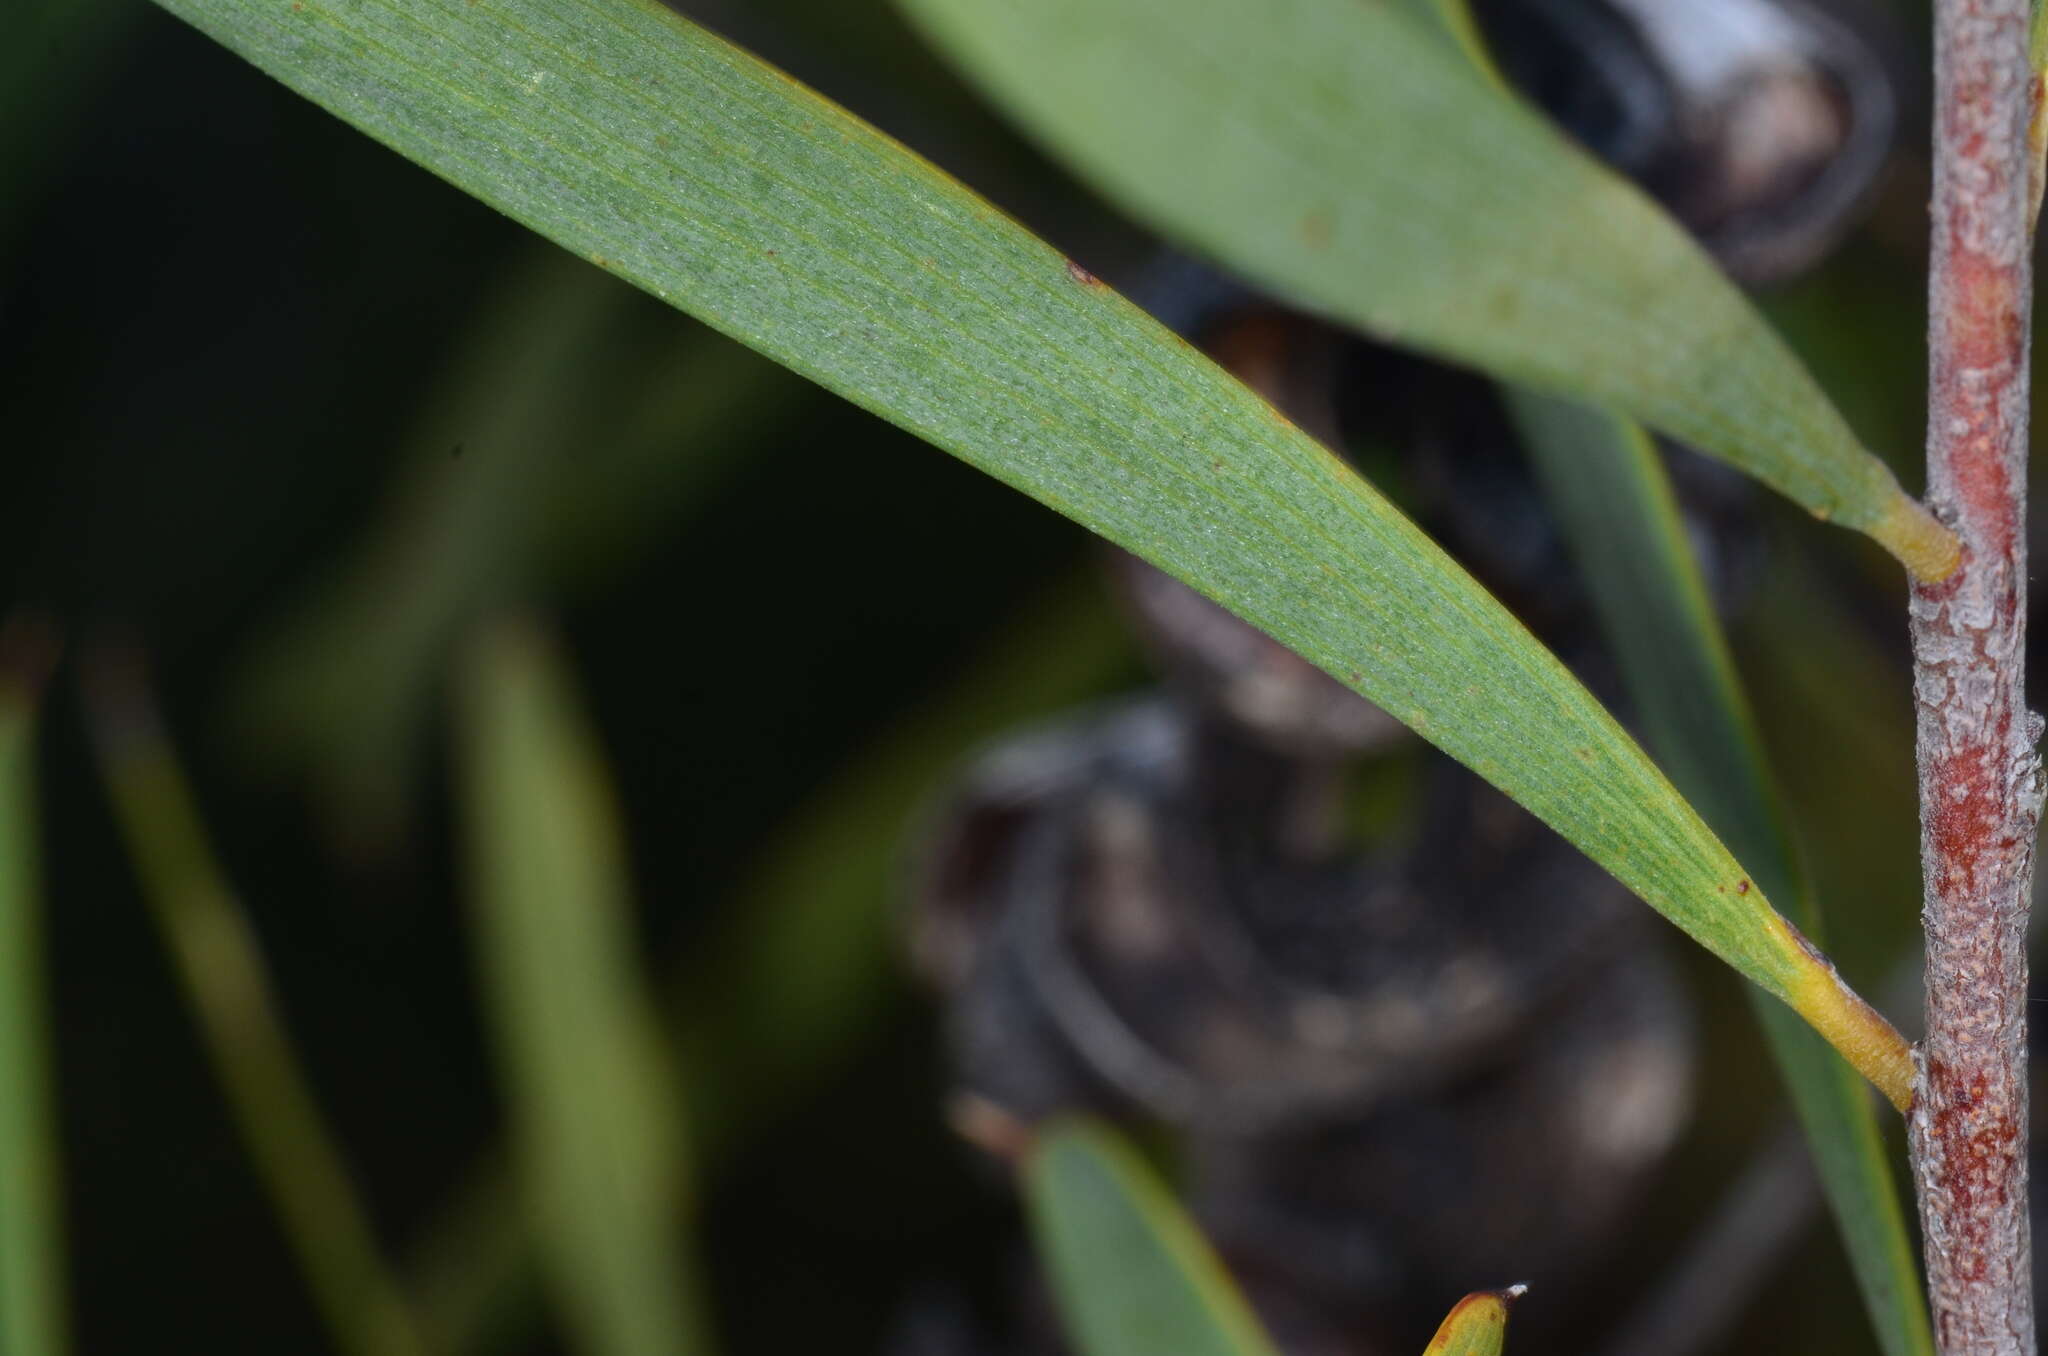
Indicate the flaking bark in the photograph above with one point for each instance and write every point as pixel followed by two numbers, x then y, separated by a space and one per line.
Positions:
pixel 1979 775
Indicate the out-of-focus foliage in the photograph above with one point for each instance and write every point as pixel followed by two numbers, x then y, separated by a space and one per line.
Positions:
pixel 1132 1274
pixel 1616 506
pixel 33 1318
pixel 586 440
pixel 753 1032
pixel 596 1132
pixel 227 985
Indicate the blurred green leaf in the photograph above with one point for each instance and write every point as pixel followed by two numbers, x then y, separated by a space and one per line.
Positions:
pixel 1130 1272
pixel 804 971
pixel 719 184
pixel 596 1130
pixel 1476 1326
pixel 346 682
pixel 220 966
pixel 32 1293
pixel 554 447
pixel 1342 156
pixel 808 962
pixel 1826 677
pixel 1604 478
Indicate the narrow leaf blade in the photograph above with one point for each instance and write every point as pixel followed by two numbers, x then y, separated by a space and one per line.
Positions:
pixel 1131 1273
pixel 1610 491
pixel 805 971
pixel 220 965
pixel 715 182
pixel 597 1134
pixel 1341 155
pixel 32 1294
pixel 552 447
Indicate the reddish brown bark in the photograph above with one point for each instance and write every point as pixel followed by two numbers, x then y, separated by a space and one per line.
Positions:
pixel 1979 775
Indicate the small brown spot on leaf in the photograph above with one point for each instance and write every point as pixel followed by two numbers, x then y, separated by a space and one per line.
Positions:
pixel 1317 229
pixel 1082 275
pixel 1742 887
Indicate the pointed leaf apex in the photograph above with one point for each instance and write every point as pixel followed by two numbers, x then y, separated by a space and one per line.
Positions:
pixel 1477 1324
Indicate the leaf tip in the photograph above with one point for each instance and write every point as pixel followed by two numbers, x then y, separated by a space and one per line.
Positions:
pixel 1477 1324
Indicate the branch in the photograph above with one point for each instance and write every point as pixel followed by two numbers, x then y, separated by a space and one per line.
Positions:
pixel 1979 774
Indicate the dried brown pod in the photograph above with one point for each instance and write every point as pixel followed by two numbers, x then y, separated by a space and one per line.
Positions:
pixel 1762 124
pixel 1124 919
pixel 1525 1164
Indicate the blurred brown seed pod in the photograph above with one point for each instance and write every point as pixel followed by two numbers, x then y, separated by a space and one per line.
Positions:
pixel 1114 931
pixel 1762 124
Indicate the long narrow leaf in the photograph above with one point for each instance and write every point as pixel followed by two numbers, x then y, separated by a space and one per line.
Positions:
pixel 1342 155
pixel 717 183
pixel 32 1302
pixel 551 448
pixel 596 1130
pixel 805 972
pixel 220 966
pixel 1609 489
pixel 347 682
pixel 1131 1273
